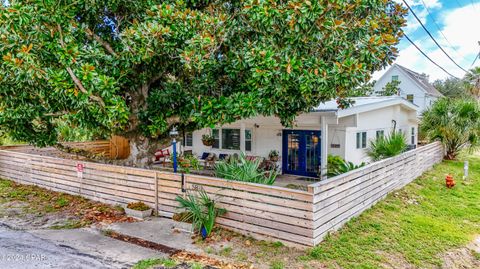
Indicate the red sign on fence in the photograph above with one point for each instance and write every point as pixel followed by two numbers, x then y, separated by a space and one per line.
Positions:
pixel 80 167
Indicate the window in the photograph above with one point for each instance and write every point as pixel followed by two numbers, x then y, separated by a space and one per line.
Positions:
pixel 216 135
pixel 361 140
pixel 231 139
pixel 410 97
pixel 188 139
pixel 380 133
pixel 413 136
pixel 248 140
pixel 394 78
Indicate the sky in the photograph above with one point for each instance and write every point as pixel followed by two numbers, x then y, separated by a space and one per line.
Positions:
pixel 455 24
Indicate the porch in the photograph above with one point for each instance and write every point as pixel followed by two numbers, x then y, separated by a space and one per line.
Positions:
pixel 299 149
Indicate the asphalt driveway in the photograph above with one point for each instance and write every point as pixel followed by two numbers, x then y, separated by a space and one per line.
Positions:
pixel 66 249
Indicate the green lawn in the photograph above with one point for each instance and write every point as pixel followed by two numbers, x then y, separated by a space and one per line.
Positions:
pixel 413 226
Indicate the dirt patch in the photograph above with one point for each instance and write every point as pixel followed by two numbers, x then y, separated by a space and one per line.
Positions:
pixel 467 257
pixel 183 266
pixel 141 242
pixel 395 261
pixel 185 257
pixel 233 247
pixel 31 207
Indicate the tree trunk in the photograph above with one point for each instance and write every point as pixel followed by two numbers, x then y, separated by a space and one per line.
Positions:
pixel 451 154
pixel 142 148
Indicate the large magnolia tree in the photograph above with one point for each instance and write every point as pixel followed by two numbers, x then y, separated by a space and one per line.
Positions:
pixel 137 68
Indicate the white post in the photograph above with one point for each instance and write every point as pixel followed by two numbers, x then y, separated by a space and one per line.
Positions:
pixel 242 137
pixel 324 149
pixel 465 170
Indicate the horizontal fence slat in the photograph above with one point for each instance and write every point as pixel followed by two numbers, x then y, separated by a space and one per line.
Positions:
pixel 266 212
pixel 340 198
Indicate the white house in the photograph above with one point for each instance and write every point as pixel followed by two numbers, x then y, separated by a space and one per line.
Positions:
pixel 413 86
pixel 325 130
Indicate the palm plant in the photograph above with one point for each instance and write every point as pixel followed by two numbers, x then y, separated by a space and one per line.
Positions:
pixel 337 166
pixel 387 146
pixel 456 123
pixel 472 81
pixel 245 170
pixel 201 211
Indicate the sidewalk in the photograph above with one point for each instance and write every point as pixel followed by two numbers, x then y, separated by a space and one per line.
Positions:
pixel 163 231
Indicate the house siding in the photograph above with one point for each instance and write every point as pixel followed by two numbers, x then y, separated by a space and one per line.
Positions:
pixel 341 139
pixel 382 119
pixel 407 86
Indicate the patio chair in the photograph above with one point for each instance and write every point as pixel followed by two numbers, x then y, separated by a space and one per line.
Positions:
pixel 210 161
pixel 223 157
pixel 204 156
pixel 161 156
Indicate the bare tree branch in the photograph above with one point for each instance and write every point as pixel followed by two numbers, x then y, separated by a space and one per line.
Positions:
pixel 91 35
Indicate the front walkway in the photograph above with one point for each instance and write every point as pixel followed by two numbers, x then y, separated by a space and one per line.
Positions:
pixel 162 231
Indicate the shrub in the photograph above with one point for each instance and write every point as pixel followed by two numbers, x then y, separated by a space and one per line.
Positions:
pixel 454 122
pixel 245 170
pixel 188 162
pixel 337 166
pixel 387 146
pixel 200 210
pixel 140 206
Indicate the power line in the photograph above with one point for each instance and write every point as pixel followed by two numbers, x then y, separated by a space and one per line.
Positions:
pixel 476 57
pixel 426 56
pixel 438 28
pixel 428 32
pixel 474 60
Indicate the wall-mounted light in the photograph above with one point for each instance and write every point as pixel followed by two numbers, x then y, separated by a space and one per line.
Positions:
pixel 256 125
pixel 279 134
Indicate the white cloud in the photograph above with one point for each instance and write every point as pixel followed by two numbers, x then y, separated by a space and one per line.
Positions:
pixel 460 27
pixel 431 4
pixel 421 12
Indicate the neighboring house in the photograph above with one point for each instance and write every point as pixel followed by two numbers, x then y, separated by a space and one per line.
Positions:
pixel 413 86
pixel 325 130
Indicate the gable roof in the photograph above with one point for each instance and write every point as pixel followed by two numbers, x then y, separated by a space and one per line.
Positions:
pixel 421 80
pixel 364 104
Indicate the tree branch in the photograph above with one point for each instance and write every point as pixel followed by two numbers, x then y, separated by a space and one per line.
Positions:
pixel 91 35
pixel 77 82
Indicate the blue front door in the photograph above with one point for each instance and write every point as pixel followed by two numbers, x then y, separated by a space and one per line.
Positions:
pixel 301 152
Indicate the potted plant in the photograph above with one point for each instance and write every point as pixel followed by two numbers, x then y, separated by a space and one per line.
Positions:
pixel 273 155
pixel 138 210
pixel 201 211
pixel 208 140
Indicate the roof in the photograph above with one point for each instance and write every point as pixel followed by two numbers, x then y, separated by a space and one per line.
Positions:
pixel 364 104
pixel 421 80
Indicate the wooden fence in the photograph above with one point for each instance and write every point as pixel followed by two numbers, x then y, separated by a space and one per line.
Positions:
pixel 292 216
pixel 95 147
pixel 338 199
pixel 117 147
pixel 260 210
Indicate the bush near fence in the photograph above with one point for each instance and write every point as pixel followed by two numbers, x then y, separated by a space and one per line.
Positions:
pixel 266 212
